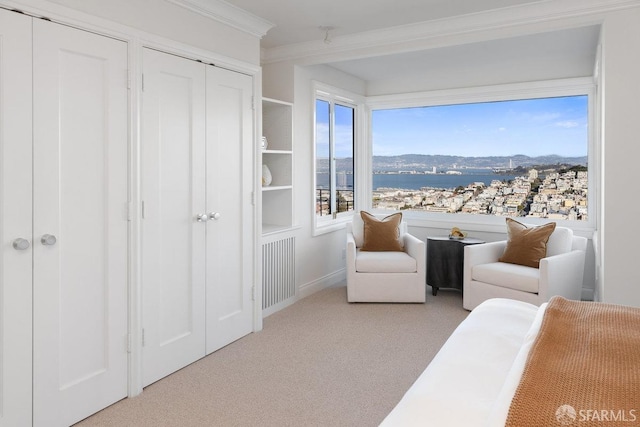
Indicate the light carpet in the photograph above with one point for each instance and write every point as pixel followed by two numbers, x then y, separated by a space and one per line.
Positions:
pixel 318 362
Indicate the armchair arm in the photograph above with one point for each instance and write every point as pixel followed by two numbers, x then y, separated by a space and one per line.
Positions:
pixel 562 275
pixel 351 257
pixel 416 249
pixel 484 253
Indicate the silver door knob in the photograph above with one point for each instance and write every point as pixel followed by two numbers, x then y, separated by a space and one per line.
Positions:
pixel 21 244
pixel 214 215
pixel 48 240
pixel 202 217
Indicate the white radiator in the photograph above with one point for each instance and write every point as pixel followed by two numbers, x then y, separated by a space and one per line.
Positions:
pixel 278 272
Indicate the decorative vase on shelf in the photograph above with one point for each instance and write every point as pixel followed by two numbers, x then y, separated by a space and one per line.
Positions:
pixel 264 143
pixel 266 176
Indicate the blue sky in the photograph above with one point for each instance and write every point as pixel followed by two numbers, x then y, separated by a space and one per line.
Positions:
pixel 531 127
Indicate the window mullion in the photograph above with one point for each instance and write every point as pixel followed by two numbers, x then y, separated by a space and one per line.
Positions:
pixel 332 159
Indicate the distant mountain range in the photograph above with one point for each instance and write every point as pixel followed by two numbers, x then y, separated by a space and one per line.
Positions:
pixel 426 162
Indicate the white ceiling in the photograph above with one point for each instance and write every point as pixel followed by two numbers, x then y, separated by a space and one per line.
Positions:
pixel 298 21
pixel 544 56
pixel 558 54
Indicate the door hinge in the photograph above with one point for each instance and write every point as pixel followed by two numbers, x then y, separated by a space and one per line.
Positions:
pixel 253 198
pixel 142 337
pixel 253 293
pixel 128 79
pixel 142 209
pixel 142 82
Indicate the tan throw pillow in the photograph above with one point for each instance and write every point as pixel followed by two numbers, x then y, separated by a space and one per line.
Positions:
pixel 381 235
pixel 526 245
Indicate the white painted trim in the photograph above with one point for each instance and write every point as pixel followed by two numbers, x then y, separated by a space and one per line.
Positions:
pixel 135 382
pixel 228 14
pixel 279 306
pixel 137 40
pixel 321 283
pixel 494 24
pixel 257 203
pixel 505 92
pixel 540 89
pixel 334 94
pixel 92 23
pixel 70 17
pixel 333 279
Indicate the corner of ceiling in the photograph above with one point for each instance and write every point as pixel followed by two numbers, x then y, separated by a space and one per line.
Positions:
pixel 226 13
pixel 435 33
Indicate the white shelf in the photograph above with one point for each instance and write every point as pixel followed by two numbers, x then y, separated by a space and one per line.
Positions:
pixel 273 228
pixel 277 187
pixel 277 152
pixel 277 198
pixel 277 124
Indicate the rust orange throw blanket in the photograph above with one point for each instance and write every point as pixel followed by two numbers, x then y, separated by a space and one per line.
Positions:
pixel 583 368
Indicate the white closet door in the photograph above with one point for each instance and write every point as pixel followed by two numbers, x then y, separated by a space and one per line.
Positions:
pixel 173 270
pixel 229 186
pixel 15 219
pixel 80 224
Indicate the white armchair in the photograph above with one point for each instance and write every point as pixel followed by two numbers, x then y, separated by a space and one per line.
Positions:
pixel 385 276
pixel 560 272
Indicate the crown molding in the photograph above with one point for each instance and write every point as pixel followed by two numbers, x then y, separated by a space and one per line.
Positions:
pixel 221 11
pixel 505 22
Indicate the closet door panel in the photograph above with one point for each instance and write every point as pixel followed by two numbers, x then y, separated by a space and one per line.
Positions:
pixel 15 219
pixel 229 185
pixel 80 224
pixel 173 144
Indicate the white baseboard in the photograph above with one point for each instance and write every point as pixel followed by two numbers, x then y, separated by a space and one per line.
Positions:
pixel 310 288
pixel 322 283
pixel 279 306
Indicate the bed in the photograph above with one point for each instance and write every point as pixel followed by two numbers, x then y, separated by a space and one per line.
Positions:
pixel 512 363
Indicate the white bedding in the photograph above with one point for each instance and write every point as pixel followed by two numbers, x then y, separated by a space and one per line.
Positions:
pixel 472 379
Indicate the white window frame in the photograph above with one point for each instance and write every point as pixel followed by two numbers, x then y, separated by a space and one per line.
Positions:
pixel 520 91
pixel 333 95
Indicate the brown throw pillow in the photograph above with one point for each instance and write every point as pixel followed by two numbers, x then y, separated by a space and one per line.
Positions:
pixel 526 245
pixel 381 235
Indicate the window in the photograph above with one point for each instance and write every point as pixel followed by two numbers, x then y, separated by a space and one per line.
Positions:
pixel 335 120
pixel 512 157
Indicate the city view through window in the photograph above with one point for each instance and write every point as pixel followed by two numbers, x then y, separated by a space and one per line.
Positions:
pixel 335 139
pixel 521 158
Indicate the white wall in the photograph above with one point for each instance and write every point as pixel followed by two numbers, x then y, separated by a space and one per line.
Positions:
pixel 318 259
pixel 278 81
pixel 619 281
pixel 169 21
pixel 619 277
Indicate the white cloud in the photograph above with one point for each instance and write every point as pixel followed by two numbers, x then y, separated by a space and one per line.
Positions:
pixel 567 124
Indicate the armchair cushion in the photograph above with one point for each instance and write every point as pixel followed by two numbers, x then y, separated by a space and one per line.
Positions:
pixel 382 235
pixel 385 262
pixel 560 241
pixel 512 276
pixel 526 245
